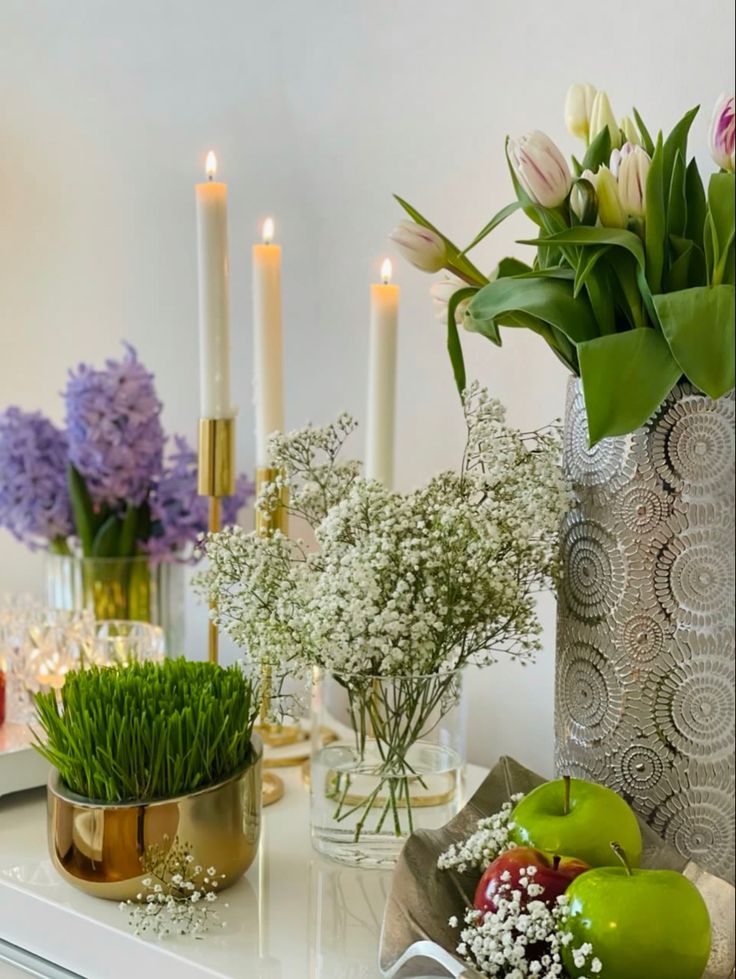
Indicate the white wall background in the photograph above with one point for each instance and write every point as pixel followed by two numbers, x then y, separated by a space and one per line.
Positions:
pixel 318 111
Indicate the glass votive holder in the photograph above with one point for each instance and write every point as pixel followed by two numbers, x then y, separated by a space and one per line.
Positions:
pixel 115 641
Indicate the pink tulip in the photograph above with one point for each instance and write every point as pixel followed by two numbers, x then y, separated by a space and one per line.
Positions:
pixel 541 169
pixel 722 133
pixel 420 246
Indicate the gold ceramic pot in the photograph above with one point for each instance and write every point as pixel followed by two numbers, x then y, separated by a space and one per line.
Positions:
pixel 98 847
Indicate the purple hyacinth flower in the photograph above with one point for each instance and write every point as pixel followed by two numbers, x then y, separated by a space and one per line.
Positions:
pixel 113 419
pixel 34 499
pixel 179 514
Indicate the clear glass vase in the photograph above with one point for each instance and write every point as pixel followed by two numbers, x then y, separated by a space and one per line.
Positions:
pixel 388 757
pixel 135 589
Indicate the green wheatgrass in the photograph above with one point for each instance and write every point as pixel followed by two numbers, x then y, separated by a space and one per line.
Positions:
pixel 147 731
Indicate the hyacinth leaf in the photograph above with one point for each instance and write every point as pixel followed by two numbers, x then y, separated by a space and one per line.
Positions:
pixel 497 219
pixel 459 262
pixel 128 531
pixel 677 204
pixel 699 327
pixel 646 140
pixel 106 542
pixel 722 214
pixel 655 227
pixel 454 347
pixel 625 377
pixel 696 205
pixel 599 151
pixel 583 235
pixel 83 511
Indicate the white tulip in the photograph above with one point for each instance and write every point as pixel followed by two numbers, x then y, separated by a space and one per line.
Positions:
pixel 541 168
pixel 632 182
pixel 420 246
pixel 442 290
pixel 602 117
pixel 578 105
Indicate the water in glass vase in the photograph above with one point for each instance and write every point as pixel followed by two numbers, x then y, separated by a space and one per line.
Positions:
pixel 364 806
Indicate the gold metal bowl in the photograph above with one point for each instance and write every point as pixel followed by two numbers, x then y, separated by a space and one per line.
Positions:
pixel 99 847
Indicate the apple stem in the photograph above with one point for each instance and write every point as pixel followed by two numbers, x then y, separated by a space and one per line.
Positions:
pixel 621 854
pixel 556 862
pixel 566 803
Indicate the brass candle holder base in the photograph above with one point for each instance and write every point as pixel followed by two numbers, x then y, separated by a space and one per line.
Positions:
pixel 272 789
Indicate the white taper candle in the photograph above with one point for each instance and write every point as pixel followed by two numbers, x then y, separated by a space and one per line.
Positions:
pixel 268 380
pixel 214 303
pixel 381 420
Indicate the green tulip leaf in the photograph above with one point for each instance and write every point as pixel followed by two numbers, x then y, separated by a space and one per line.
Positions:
pixel 510 266
pixel 696 206
pixel 646 140
pixel 677 203
pixel 625 378
pixel 699 327
pixel 583 235
pixel 454 347
pixel 586 265
pixel 676 143
pixel 655 227
pixel 549 300
pixel 599 151
pixel 721 210
pixel 492 224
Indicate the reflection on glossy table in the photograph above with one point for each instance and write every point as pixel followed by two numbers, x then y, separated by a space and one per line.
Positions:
pixel 294 915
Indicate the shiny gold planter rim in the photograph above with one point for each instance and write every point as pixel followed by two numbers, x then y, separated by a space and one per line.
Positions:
pixel 97 847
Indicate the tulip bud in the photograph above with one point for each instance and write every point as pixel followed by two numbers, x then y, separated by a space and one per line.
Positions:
pixel 540 168
pixel 420 246
pixel 617 156
pixel 632 182
pixel 442 290
pixel 584 200
pixel 578 104
pixel 610 212
pixel 631 133
pixel 722 133
pixel 602 117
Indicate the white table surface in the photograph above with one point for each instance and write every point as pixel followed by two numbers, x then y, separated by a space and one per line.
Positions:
pixel 295 915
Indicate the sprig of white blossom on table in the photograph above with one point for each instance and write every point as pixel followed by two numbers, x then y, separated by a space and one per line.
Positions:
pixel 177 897
pixel 491 838
pixel 413 586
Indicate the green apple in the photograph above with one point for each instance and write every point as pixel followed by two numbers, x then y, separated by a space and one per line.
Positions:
pixel 574 818
pixel 642 924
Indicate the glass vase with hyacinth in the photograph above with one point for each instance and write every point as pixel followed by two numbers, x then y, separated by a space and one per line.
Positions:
pixel 633 280
pixel 101 494
pixel 391 598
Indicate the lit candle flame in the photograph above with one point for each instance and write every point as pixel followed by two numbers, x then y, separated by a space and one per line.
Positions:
pixel 386 271
pixel 211 165
pixel 268 231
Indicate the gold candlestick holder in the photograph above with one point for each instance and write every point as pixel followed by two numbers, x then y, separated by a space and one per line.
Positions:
pixel 275 735
pixel 215 479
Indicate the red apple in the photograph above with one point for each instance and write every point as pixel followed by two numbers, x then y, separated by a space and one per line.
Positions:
pixel 554 874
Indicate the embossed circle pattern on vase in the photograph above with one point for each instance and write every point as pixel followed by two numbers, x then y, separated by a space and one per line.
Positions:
pixel 602 465
pixel 694 578
pixel 644 637
pixel 594 569
pixel 699 823
pixel 693 442
pixel 589 694
pixel 641 772
pixel 692 708
pixel 642 510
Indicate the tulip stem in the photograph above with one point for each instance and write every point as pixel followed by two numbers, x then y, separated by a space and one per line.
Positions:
pixel 621 854
pixel 566 804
